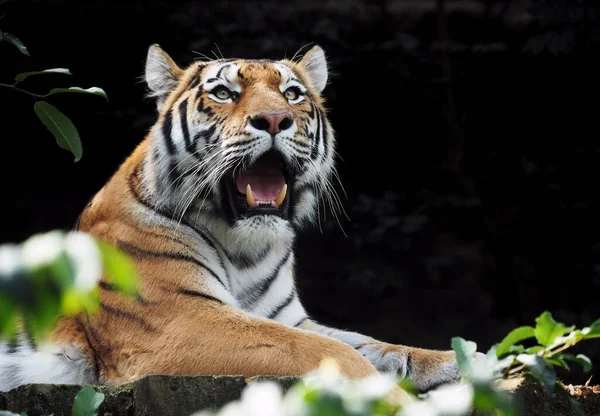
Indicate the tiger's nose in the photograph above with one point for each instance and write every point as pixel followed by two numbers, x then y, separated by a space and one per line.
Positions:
pixel 272 122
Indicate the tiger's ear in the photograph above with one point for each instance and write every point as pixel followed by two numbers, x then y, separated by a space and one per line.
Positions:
pixel 162 74
pixel 315 65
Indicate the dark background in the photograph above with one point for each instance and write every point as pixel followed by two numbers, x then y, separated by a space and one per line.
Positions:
pixel 467 133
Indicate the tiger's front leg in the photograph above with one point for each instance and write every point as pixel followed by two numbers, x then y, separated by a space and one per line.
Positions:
pixel 426 369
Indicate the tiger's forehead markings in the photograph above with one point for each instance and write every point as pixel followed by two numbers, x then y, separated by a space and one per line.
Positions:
pixel 287 75
pixel 262 70
pixel 222 73
pixel 244 71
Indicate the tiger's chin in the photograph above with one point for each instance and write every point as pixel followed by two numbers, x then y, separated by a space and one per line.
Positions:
pixel 254 234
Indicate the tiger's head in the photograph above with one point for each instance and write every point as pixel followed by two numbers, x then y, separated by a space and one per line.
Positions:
pixel 242 145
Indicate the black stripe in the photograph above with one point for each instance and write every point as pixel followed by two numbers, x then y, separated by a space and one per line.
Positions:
pixel 141 200
pixel 258 291
pixel 194 83
pixel 241 143
pixel 13 345
pixel 221 70
pixel 107 286
pixel 210 241
pixel 112 288
pixel 206 134
pixel 201 104
pixel 199 93
pixel 212 80
pixel 166 131
pixel 241 261
pixel 164 213
pixel 325 140
pixel 163 236
pixel 282 305
pixel 136 251
pixel 299 148
pixel 28 332
pixel 94 353
pixel 198 294
pixel 215 138
pixel 205 109
pixel 184 123
pixel 211 131
pixel 127 315
pixel 298 142
pixel 311 113
pixel 301 321
pixel 315 150
pixel 409 364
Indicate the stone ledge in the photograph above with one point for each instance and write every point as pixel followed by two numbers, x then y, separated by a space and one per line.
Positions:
pixel 151 395
pixel 183 395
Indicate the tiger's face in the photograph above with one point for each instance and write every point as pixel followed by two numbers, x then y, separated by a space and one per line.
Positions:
pixel 244 141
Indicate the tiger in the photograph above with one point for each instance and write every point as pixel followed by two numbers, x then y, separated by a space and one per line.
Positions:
pixel 208 206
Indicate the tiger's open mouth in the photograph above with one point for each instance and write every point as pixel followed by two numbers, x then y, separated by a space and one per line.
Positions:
pixel 261 189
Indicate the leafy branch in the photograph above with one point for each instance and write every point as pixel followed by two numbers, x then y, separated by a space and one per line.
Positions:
pixel 61 127
pixel 553 339
pixel 54 274
pixel 511 359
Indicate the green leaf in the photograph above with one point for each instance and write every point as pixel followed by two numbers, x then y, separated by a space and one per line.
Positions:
pixel 119 269
pixel 8 316
pixel 20 77
pixel 580 359
pixel 534 350
pixel 547 329
pixel 558 361
pixel 488 400
pixel 465 353
pixel 539 369
pixel 87 402
pixel 60 126
pixel 516 349
pixel 514 336
pixel 593 331
pixel 17 42
pixel 408 386
pixel 7 413
pixel 91 91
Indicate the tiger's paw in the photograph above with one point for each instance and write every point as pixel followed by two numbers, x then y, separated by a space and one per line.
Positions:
pixel 425 369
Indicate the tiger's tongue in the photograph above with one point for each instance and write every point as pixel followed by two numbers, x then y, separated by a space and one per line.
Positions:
pixel 265 181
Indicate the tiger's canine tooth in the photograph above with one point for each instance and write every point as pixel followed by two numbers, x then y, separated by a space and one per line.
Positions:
pixel 250 197
pixel 281 196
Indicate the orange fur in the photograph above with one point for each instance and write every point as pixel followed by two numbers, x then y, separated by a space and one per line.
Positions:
pixel 170 333
pixel 176 326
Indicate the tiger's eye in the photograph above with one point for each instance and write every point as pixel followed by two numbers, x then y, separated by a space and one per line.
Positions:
pixel 291 94
pixel 222 93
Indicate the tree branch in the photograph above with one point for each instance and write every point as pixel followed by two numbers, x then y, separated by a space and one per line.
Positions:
pixel 13 87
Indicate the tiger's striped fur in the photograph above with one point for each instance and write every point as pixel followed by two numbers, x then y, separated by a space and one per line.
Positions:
pixel 218 294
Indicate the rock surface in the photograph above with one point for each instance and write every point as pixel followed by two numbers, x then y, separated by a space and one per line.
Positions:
pixel 151 395
pixel 184 395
